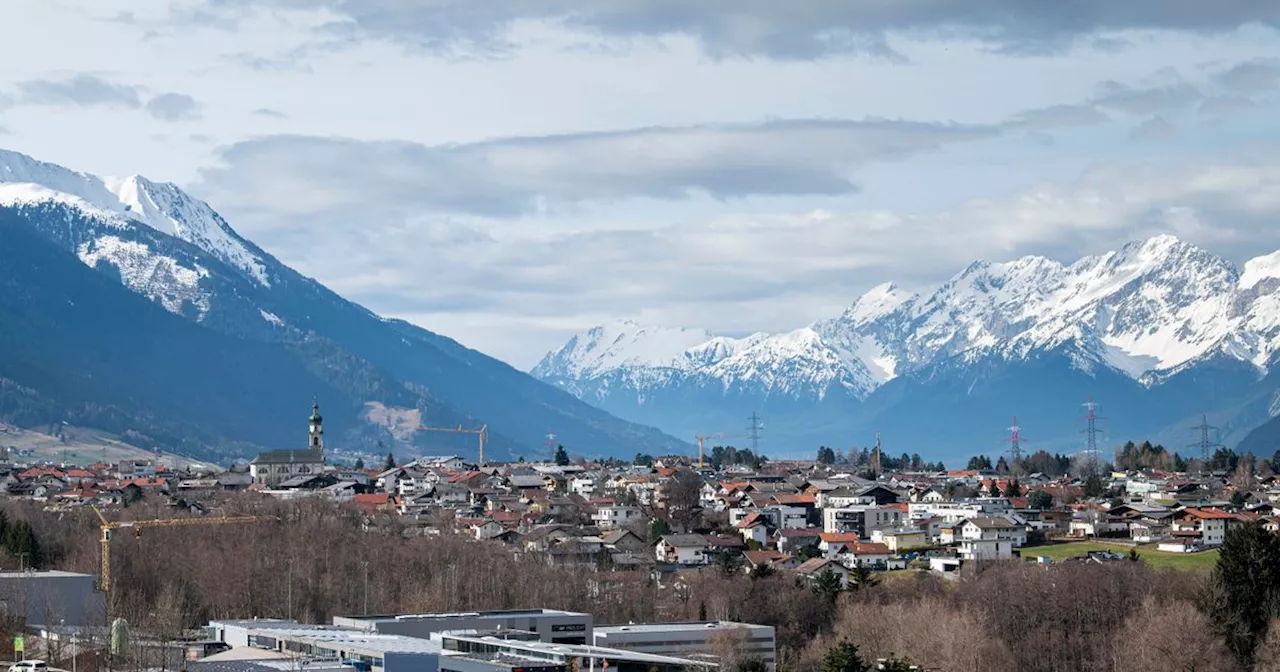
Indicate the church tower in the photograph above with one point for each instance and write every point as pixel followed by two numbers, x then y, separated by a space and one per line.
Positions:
pixel 317 431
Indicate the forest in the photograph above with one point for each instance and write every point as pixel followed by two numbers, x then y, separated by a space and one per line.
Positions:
pixel 309 560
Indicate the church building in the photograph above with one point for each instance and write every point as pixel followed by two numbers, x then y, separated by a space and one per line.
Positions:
pixel 274 467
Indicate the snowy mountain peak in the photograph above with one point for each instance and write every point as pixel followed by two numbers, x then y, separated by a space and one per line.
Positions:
pixel 1146 310
pixel 878 302
pixel 121 201
pixel 168 209
pixel 1259 269
pixel 624 343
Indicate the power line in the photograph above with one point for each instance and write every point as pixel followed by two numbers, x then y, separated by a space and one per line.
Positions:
pixel 754 433
pixel 1015 442
pixel 1092 431
pixel 1206 444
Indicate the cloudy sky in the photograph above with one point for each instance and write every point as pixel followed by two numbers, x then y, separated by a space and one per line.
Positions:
pixel 508 172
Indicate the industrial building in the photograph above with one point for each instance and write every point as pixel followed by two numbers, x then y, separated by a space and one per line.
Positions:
pixel 551 626
pixel 53 598
pixel 692 639
pixel 450 646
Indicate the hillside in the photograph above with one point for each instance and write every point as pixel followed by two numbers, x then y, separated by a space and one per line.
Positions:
pixel 205 341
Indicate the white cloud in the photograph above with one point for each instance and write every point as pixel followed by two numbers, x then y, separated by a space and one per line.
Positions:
pixel 522 176
pixel 774 29
pixel 518 291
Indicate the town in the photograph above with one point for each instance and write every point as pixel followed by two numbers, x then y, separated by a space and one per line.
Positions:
pixel 662 542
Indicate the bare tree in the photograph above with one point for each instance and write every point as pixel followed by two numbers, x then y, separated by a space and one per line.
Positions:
pixel 1170 635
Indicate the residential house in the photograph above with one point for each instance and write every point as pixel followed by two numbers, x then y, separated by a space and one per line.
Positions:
pixel 791 541
pixel 624 541
pixel 616 516
pixel 901 541
pixel 770 559
pixel 862 520
pixel 1207 527
pixel 754 527
pixel 683 549
pixel 811 569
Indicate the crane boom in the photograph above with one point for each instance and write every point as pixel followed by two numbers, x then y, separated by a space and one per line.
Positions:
pixel 483 433
pixel 704 437
pixel 107 526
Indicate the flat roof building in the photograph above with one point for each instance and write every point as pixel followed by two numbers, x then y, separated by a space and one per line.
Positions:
pixel 495 650
pixel 552 626
pixel 692 639
pixel 53 598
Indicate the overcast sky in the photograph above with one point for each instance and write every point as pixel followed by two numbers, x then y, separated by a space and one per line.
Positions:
pixel 509 172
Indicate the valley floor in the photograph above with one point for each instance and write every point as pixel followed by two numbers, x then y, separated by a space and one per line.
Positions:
pixel 80 446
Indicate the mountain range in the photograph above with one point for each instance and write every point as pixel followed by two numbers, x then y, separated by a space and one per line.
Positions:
pixel 128 305
pixel 1162 333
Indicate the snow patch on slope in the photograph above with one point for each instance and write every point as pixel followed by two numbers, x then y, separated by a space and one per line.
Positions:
pixel 155 276
pixel 168 209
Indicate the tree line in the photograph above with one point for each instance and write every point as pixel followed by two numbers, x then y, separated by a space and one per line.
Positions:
pixel 863 458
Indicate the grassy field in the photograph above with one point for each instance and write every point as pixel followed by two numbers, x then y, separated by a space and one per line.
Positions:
pixel 1194 562
pixel 81 446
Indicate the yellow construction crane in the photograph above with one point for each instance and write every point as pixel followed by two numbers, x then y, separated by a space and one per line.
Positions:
pixel 704 437
pixel 107 526
pixel 483 432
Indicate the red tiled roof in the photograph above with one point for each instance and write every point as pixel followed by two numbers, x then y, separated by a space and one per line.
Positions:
pixel 840 537
pixel 1209 514
pixel 867 549
pixel 765 557
pixel 795 499
pixel 750 521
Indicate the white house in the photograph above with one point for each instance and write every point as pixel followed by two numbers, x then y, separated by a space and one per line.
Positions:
pixel 862 520
pixel 615 516
pixel 1001 529
pixel 754 527
pixel 683 549
pixel 985 549
pixel 1209 526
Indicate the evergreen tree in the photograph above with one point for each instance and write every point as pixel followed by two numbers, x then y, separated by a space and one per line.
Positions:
pixel 658 528
pixel 359 464
pixel 1002 466
pixel 979 463
pixel 702 611
pixel 727 562
pixel 994 490
pixel 1014 490
pixel 751 665
pixel 562 457
pixel 1094 487
pixel 844 657
pixel 1039 499
pixel 1238 499
pixel 827 585
pixel 1245 590
pixel 390 463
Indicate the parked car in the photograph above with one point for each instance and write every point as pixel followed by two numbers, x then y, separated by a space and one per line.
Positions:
pixel 29 666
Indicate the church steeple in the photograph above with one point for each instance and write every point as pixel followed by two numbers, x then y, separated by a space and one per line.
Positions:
pixel 317 430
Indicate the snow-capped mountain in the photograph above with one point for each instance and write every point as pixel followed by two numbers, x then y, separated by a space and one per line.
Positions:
pixel 159 242
pixel 1147 313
